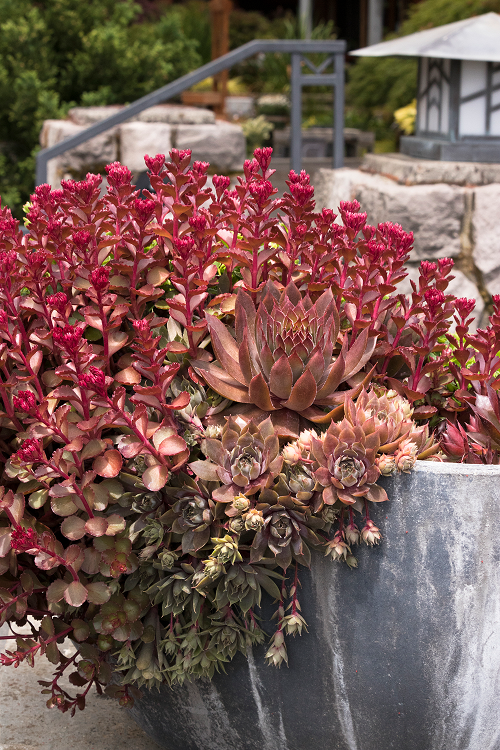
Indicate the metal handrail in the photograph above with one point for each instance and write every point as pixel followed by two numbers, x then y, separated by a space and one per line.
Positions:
pixel 297 48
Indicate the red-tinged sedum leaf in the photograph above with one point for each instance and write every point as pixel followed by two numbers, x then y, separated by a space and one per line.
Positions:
pixel 181 401
pixel 155 478
pixel 109 464
pixel 5 534
pixel 424 412
pixel 75 445
pixel 116 340
pixel 116 524
pixel 128 376
pixel 205 470
pixel 96 526
pixel 56 591
pixel 73 527
pixel 74 556
pixel 129 446
pixel 171 446
pixel 161 434
pixel 92 561
pixel 64 506
pixel 81 630
pixel 93 449
pixel 15 505
pixel 98 592
pixel 75 594
pixel 157 276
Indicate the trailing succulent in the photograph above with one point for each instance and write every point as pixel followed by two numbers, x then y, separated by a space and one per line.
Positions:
pixel 200 389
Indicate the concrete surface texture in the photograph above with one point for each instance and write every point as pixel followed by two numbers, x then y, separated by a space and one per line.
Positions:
pixel 401 654
pixel 451 208
pixel 27 724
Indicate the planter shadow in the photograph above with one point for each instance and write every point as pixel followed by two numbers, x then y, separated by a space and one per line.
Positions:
pixel 401 654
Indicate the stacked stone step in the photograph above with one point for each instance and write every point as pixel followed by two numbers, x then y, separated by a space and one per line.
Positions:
pixel 451 207
pixel 156 130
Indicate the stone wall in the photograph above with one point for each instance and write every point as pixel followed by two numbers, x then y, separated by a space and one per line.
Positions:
pixel 453 210
pixel 156 130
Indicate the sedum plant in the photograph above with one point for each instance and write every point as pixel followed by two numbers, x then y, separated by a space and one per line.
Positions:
pixel 200 389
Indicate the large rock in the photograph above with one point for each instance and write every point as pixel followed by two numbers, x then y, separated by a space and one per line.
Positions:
pixel 138 139
pixel 91 156
pixel 447 219
pixel 172 114
pixel 432 212
pixel 409 171
pixel 153 131
pixel 486 235
pixel 222 144
pixel 177 114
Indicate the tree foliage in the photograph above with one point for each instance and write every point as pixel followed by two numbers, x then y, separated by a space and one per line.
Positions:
pixel 59 53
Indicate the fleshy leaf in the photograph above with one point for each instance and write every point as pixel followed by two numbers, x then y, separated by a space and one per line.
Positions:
pixel 73 527
pixel 98 592
pixel 96 526
pixel 109 464
pixel 75 594
pixel 155 478
pixel 56 591
pixel 205 470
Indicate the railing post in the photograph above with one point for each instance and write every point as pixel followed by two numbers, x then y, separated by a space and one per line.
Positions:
pixel 296 114
pixel 338 112
pixel 41 169
pixel 297 48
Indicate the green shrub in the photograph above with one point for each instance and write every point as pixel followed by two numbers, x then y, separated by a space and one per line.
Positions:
pixel 58 53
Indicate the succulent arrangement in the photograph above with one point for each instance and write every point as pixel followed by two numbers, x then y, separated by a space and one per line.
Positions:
pixel 199 388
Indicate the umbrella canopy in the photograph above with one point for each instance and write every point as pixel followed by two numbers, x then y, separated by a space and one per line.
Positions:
pixel 476 38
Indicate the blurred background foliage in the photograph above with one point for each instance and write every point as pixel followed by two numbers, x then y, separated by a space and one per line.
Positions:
pixel 55 54
pixel 378 87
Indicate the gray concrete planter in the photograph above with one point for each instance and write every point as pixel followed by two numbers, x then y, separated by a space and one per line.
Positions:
pixel 401 654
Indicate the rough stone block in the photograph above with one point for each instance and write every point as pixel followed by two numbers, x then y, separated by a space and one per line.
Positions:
pixel 486 235
pixel 222 144
pixel 432 212
pixel 91 156
pixel 140 138
pixel 171 114
pixel 408 170
pixel 177 114
pixel 89 115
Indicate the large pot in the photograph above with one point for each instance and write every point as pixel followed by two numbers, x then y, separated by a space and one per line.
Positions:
pixel 402 653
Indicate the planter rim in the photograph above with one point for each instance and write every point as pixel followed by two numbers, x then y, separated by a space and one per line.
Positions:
pixel 443 467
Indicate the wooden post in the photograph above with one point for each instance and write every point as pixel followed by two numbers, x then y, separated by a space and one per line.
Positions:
pixel 219 13
pixel 363 23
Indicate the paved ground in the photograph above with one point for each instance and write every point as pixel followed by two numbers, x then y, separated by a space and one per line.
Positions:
pixel 27 724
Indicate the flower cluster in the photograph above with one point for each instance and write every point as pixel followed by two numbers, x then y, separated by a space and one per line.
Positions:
pixel 199 389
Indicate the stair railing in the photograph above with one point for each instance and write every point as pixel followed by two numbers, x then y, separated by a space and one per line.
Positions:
pixel 297 48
